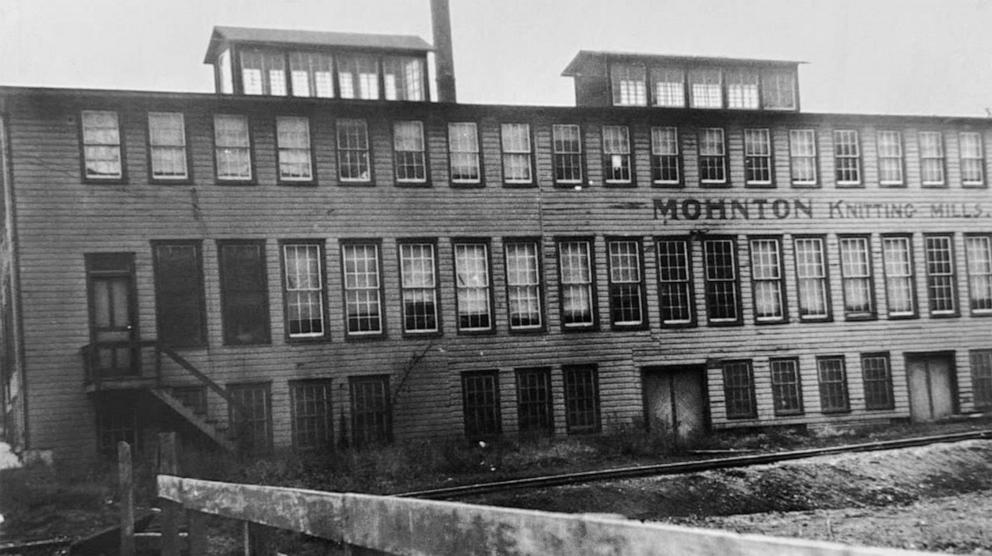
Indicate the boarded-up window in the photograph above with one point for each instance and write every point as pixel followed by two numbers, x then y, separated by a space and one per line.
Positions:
pixel 179 294
pixel 243 293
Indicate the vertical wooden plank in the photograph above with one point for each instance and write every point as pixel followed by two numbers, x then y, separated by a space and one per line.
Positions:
pixel 168 464
pixel 197 538
pixel 126 486
pixel 259 539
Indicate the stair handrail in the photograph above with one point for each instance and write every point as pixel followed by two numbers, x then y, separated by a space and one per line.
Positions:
pixel 206 380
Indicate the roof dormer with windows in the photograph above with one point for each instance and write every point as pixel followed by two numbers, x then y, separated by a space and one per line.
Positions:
pixel 617 79
pixel 319 64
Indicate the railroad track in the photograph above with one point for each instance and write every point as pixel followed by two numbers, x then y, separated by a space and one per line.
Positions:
pixel 694 466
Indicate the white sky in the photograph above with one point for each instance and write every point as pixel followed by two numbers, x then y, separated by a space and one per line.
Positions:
pixel 866 56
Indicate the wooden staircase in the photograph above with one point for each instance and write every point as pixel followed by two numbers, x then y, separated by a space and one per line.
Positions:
pixel 210 428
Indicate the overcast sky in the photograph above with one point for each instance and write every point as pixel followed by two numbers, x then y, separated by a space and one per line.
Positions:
pixel 865 56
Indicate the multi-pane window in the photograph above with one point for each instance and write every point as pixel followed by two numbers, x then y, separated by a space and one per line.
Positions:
pixel 581 384
pixel 293 142
pixel 811 278
pixel 311 74
pixel 738 390
pixel 102 145
pixel 979 252
pixel 890 158
pixel 353 151
pixel 674 282
pixel 665 162
pixel 244 294
pixel 855 271
pixel 626 284
pixel 981 377
pixel 742 89
pixel 250 416
pixel 358 77
pixel 167 145
pixel 616 154
pixel 705 89
pixel 523 285
pixel 567 146
pixel 668 86
pixel 629 85
pixel 847 157
pixel 575 263
pixel 712 156
pixel 721 280
pixel 480 401
pixel 304 282
pixel 179 300
pixel 534 413
pixel 371 413
pixel 418 287
pixel 932 158
pixel 312 416
pixel 878 381
pixel 972 159
pixel 897 254
pixel 787 393
pixel 778 90
pixel 224 72
pixel 757 157
pixel 463 148
pixel 403 78
pixel 362 290
pixel 517 166
pixel 832 376
pixel 472 286
pixel 802 156
pixel 768 286
pixel 409 152
pixel 232 148
pixel 263 72
pixel 940 274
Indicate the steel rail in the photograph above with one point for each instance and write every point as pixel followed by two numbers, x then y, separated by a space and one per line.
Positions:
pixel 684 467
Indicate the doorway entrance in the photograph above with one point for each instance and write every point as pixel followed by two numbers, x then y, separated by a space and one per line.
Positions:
pixel 113 323
pixel 932 385
pixel 675 400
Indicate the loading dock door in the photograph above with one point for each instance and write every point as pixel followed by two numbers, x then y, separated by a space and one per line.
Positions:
pixel 931 385
pixel 675 401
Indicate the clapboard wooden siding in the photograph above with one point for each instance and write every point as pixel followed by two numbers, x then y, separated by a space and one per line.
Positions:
pixel 60 218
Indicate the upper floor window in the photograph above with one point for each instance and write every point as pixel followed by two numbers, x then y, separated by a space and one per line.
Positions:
pixel 263 72
pixel 972 159
pixel 979 252
pixel 472 286
pixel 855 270
pixel 244 294
pixel 517 166
pixel 232 147
pixel 418 287
pixel 179 299
pixel 293 142
pixel 811 278
pixel 722 285
pixel 941 279
pixel 304 282
pixel 523 284
pixel 742 89
pixel 778 89
pixel 897 256
pixel 575 265
pixel 757 157
pixel 567 146
pixel 890 158
pixel 616 154
pixel 224 73
pixel 409 152
pixel 665 161
pixel 932 158
pixel 463 147
pixel 311 74
pixel 712 157
pixel 403 77
pixel 847 157
pixel 705 88
pixel 626 284
pixel 802 156
pixel 167 145
pixel 629 85
pixel 668 85
pixel 353 151
pixel 768 285
pixel 102 145
pixel 674 282
pixel 358 77
pixel 362 288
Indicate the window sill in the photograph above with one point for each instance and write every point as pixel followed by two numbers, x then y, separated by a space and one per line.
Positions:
pixel 359 338
pixel 467 185
pixel 667 185
pixel 345 183
pixel 858 318
pixel 784 320
pixel 952 315
pixel 914 316
pixel 486 332
pixel 425 334
pixel 845 411
pixel 106 181
pixel 806 186
pixel 815 319
pixel 521 185
pixel 160 181
pixel 326 338
pixel 840 185
pixel 235 182
pixel 307 183
pixel 413 184
pixel 715 184
pixel 981 314
pixel 620 185
pixel 528 331
pixel 583 328
pixel 760 185
pixel 719 323
pixel 677 325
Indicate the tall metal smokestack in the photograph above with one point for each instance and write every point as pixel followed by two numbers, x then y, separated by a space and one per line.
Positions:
pixel 443 59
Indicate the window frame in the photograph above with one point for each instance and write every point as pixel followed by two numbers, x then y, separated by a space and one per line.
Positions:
pixel 263 289
pixel 855 144
pixel 569 375
pixel 311 76
pixel 968 237
pixel 689 282
pixel 750 160
pixel 828 315
pixel 885 382
pixel 250 180
pixel 738 78
pixel 616 83
pixel 327 442
pixel 940 158
pixel 899 157
pixel 626 158
pixel 266 57
pixel 234 411
pixel 593 323
pixel 653 80
pixel 479 166
pixel 384 436
pixel 546 405
pixel 703 158
pixel 164 180
pixel 494 408
pixel 914 301
pixel 793 156
pixel 965 183
pixel 614 286
pixel 423 152
pixel 322 277
pixel 872 312
pixel 658 162
pixel 981 377
pixel 280 178
pixel 780 76
pixel 490 307
pixel 944 313
pixel 783 391
pixel 705 103
pixel 579 157
pixel 359 335
pixel 752 409
pixel 197 245
pixel 531 181
pixel 435 269
pixel 824 385
pixel 780 267
pixel 121 178
pixel 339 150
pixel 376 93
pixel 542 303
pixel 421 86
pixel 738 318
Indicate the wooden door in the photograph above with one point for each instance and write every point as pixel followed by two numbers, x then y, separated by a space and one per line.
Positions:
pixel 931 386
pixel 113 329
pixel 675 401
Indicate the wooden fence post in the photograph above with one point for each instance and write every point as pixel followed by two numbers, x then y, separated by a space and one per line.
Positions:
pixel 197 535
pixel 168 464
pixel 126 485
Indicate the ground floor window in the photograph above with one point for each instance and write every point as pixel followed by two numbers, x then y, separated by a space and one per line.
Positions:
pixel 371 414
pixel 534 400
pixel 738 390
pixel 981 377
pixel 581 398
pixel 787 393
pixel 833 384
pixel 312 416
pixel 480 398
pixel 878 381
pixel 251 418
